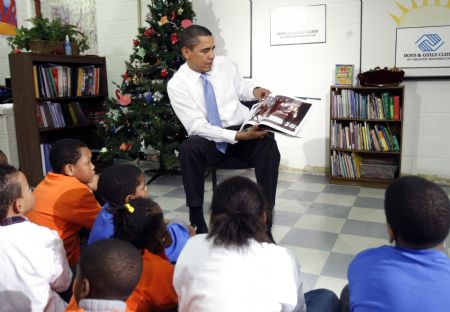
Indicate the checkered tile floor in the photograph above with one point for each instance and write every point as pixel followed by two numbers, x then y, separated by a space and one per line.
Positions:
pixel 324 225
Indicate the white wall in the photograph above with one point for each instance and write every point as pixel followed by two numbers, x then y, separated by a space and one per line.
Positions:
pixel 306 70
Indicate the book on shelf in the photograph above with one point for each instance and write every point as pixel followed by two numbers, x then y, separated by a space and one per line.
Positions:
pixel 45 157
pixel 280 113
pixel 343 75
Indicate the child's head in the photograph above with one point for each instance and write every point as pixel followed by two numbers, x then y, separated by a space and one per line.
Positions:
pixel 417 212
pixel 72 157
pixel 108 269
pixel 238 213
pixel 141 222
pixel 16 197
pixel 119 184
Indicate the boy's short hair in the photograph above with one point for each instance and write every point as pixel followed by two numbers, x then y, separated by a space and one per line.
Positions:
pixel 10 188
pixel 189 36
pixel 113 268
pixel 117 182
pixel 64 152
pixel 418 211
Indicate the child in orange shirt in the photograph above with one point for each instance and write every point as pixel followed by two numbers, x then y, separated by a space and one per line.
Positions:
pixel 64 202
pixel 107 274
pixel 141 223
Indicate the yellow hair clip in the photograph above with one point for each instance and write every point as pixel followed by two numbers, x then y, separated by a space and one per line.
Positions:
pixel 129 208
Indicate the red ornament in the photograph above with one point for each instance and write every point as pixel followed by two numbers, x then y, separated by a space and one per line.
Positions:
pixel 172 17
pixel 174 38
pixel 136 42
pixel 164 73
pixel 186 23
pixel 149 32
pixel 125 76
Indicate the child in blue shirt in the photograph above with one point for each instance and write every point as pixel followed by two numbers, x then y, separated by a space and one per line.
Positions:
pixel 118 185
pixel 414 274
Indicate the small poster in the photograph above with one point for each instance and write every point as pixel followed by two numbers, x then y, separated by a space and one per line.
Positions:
pixel 8 21
pixel 344 75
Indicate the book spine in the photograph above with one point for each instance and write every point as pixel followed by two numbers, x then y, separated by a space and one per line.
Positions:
pixel 396 107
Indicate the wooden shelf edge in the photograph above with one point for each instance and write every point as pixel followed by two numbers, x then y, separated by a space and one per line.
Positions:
pixel 360 181
pixel 363 152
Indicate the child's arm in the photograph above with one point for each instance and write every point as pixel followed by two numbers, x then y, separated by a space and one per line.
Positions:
pixel 62 281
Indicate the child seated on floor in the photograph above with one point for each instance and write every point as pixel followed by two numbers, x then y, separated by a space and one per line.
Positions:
pixel 33 265
pixel 118 185
pixel 64 202
pixel 414 274
pixel 108 272
pixel 236 267
pixel 141 223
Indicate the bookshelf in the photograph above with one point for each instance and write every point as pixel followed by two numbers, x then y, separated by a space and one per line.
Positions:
pixel 55 96
pixel 365 135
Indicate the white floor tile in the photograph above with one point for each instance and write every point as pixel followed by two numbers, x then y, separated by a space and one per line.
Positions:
pixel 372 192
pixel 159 190
pixel 352 244
pixel 367 214
pixel 306 186
pixel 311 261
pixel 292 205
pixel 331 283
pixel 168 203
pixel 320 223
pixel 279 231
pixel 335 199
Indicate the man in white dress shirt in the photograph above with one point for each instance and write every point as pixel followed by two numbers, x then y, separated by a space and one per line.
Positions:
pixel 186 92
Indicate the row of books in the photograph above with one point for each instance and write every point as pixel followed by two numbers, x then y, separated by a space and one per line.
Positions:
pixel 346 165
pixel 350 104
pixel 363 137
pixel 353 166
pixel 56 115
pixel 52 80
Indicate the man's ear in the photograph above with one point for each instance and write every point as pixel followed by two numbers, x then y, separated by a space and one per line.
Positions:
pixel 85 288
pixel 185 52
pixel 68 170
pixel 391 234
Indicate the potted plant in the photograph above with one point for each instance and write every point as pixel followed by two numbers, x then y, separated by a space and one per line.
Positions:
pixel 48 37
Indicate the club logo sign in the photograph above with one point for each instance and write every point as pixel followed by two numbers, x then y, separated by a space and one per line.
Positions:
pixel 429 42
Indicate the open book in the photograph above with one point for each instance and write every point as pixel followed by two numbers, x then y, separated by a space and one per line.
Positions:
pixel 279 113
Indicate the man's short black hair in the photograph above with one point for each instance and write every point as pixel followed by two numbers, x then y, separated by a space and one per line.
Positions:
pixel 189 36
pixel 113 268
pixel 10 188
pixel 117 182
pixel 65 152
pixel 418 211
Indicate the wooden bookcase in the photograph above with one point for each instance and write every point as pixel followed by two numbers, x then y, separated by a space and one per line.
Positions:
pixel 30 134
pixel 360 117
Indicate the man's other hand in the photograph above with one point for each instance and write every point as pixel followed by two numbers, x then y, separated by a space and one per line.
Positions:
pixel 251 133
pixel 260 93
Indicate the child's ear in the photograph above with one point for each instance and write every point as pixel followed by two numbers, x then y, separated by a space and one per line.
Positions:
pixel 128 198
pixel 17 206
pixel 85 288
pixel 69 170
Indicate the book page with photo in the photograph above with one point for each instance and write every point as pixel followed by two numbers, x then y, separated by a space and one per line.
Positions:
pixel 280 113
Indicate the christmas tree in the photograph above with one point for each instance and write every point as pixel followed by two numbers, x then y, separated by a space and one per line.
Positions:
pixel 141 114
